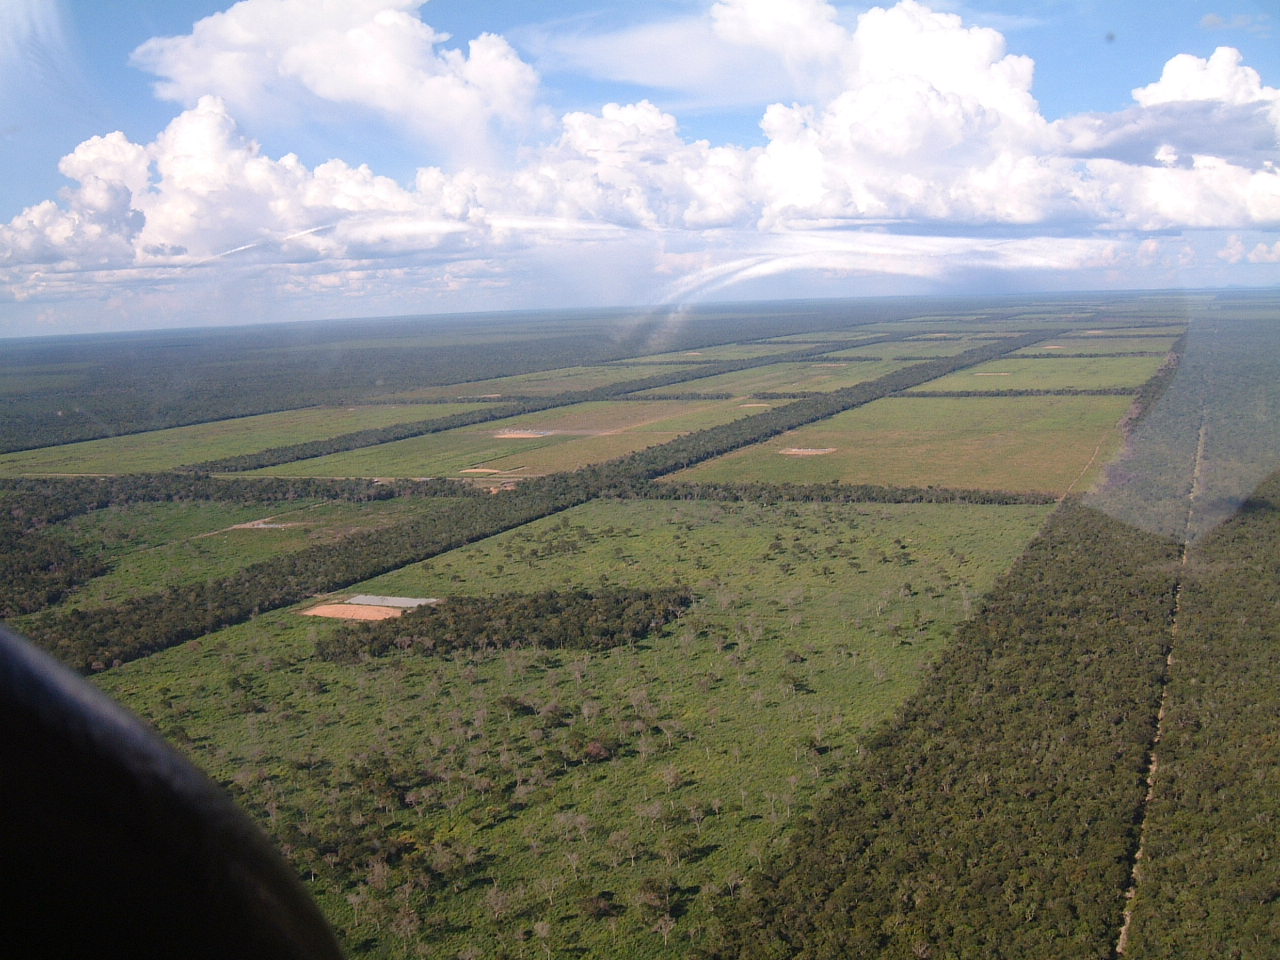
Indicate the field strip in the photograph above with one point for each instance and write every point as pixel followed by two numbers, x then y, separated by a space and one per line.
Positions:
pixel 1153 761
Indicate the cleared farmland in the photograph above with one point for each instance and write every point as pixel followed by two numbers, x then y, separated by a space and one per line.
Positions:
pixel 1048 444
pixel 167 449
pixel 190 542
pixel 1054 373
pixel 788 377
pixel 1103 345
pixel 544 384
pixel 564 438
pixel 804 637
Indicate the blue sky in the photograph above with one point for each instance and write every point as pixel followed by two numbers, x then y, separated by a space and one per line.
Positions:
pixel 193 162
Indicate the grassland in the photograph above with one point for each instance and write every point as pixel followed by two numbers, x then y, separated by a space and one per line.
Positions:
pixel 1111 344
pixel 1057 373
pixel 788 377
pixel 155 545
pixel 1047 444
pixel 916 349
pixel 564 438
pixel 812 626
pixel 545 383
pixel 167 449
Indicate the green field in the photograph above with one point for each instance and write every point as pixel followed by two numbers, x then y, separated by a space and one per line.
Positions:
pixel 787 377
pixel 729 351
pixel 1065 373
pixel 813 624
pixel 564 438
pixel 155 545
pixel 1103 345
pixel 543 384
pixel 166 449
pixel 1048 444
pixel 921 349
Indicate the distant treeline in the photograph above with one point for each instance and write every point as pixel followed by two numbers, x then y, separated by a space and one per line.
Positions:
pixel 833 492
pixel 995 816
pixel 578 619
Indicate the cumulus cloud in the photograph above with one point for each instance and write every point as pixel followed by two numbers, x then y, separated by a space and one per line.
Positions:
pixel 277 57
pixel 1263 253
pixel 914 147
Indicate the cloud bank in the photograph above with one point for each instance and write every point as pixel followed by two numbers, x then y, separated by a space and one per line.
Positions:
pixel 912 147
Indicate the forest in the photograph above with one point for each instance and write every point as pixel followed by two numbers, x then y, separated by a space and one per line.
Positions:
pixel 647 712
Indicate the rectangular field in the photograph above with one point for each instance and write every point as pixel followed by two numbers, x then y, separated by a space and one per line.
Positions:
pixel 789 377
pixel 166 449
pixel 917 348
pixel 542 384
pixel 1100 345
pixel 1065 373
pixel 1046 444
pixel 564 438
pixel 151 546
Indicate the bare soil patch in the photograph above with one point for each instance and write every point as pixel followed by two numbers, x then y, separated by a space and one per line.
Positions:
pixel 353 611
pixel 806 451
pixel 522 434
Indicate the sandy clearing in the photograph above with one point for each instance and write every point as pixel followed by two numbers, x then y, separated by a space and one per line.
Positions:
pixel 522 434
pixel 755 404
pixel 352 611
pixel 806 451
pixel 479 470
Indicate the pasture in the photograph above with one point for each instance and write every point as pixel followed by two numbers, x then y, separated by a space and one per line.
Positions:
pixel 1048 444
pixel 812 625
pixel 167 449
pixel 1051 373
pixel 563 438
pixel 819 375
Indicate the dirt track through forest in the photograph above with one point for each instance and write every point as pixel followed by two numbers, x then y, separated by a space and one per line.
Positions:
pixel 1153 761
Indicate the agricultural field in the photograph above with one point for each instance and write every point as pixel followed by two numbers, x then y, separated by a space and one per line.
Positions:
pixel 920 348
pixel 704 664
pixel 1051 444
pixel 819 375
pixel 167 449
pixel 158 545
pixel 543 383
pixel 777 648
pixel 1056 373
pixel 1110 344
pixel 564 438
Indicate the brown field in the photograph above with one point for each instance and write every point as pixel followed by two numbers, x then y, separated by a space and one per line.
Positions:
pixel 352 611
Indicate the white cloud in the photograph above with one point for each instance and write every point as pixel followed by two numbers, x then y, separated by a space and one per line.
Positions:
pixel 1222 77
pixel 910 120
pixel 1233 252
pixel 279 57
pixel 1263 253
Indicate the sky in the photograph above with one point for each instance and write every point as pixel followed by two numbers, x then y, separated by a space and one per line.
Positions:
pixel 178 163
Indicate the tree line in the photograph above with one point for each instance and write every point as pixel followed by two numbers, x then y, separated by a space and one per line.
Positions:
pixel 994 816
pixel 576 619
